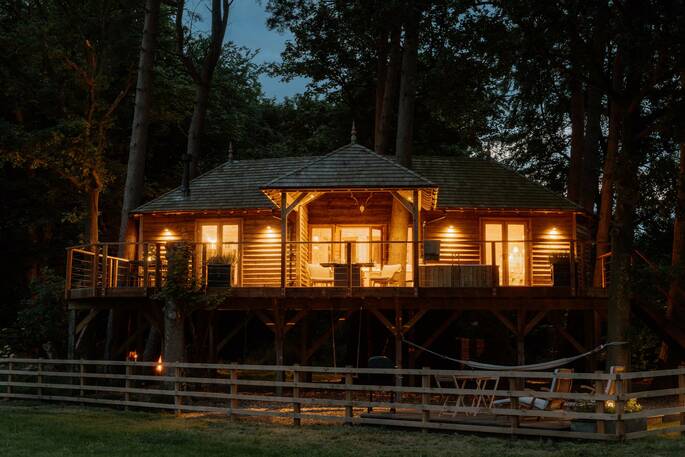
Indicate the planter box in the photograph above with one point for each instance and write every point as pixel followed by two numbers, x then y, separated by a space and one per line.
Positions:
pixel 588 426
pixel 218 275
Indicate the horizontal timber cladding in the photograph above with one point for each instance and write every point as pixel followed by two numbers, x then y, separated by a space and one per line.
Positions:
pixel 461 238
pixel 342 208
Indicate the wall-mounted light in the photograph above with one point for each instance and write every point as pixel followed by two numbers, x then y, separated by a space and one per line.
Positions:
pixel 168 235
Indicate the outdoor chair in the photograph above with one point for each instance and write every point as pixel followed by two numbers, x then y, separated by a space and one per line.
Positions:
pixel 610 388
pixel 559 385
pixel 390 274
pixel 320 275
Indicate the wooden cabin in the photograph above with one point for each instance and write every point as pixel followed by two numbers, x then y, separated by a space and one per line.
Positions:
pixel 353 229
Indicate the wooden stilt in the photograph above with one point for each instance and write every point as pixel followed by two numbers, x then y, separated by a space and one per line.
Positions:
pixel 520 337
pixel 71 343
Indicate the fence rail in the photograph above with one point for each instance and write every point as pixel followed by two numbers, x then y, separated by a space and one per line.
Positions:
pixel 408 398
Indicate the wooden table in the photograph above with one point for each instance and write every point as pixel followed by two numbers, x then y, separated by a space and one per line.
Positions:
pixel 479 398
pixel 340 278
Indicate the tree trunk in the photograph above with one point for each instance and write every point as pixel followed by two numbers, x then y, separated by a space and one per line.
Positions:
pixel 675 307
pixel 397 231
pixel 606 202
pixel 405 116
pixel 577 114
pixel 93 215
pixel 174 334
pixel 383 134
pixel 135 171
pixel 593 133
pixel 197 125
pixel 381 74
pixel 622 237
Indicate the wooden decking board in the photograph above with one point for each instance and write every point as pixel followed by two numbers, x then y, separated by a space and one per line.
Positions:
pixel 484 419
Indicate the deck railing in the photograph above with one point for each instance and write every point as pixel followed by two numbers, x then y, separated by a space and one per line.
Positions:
pixel 600 406
pixel 350 264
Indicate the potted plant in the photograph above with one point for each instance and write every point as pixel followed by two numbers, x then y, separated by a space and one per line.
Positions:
pixel 219 269
pixel 590 426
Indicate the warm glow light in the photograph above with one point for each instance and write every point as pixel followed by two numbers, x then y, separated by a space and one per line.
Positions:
pixel 132 356
pixel 451 229
pixel 159 368
pixel 609 404
pixel 168 235
pixel 554 232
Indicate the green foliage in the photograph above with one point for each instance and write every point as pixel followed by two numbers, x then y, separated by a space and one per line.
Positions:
pixel 39 329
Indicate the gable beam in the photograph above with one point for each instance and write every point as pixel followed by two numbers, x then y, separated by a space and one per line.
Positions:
pixel 295 202
pixel 409 206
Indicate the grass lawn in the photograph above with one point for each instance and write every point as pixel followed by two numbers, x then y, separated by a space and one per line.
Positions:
pixel 71 431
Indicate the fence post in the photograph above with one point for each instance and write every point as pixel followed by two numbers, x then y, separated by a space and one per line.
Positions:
pixel 39 379
pixel 425 398
pixel 620 407
pixel 127 394
pixel 177 388
pixel 599 404
pixel 681 397
pixel 348 396
pixel 514 385
pixel 234 392
pixel 81 370
pixel 9 376
pixel 296 395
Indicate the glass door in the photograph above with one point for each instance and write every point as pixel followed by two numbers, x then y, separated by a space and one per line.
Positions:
pixel 510 251
pixel 221 242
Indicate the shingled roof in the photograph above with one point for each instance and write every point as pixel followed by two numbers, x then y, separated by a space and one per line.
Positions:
pixel 233 185
pixel 462 182
pixel 349 167
pixel 466 182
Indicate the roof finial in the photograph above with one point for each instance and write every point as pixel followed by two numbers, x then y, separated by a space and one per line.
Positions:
pixel 230 151
pixel 353 134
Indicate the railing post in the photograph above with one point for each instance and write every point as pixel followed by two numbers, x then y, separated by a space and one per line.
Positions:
pixel 572 267
pixel 105 269
pixel 348 395
pixel 296 396
pixel 233 405
pixel 620 407
pixel 146 266
pixel 158 265
pixel 203 266
pixel 425 398
pixel 39 379
pixel 94 270
pixel 599 404
pixel 348 258
pixel 495 270
pixel 70 263
pixel 127 393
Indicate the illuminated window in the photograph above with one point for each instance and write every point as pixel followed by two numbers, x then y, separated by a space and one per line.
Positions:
pixel 321 244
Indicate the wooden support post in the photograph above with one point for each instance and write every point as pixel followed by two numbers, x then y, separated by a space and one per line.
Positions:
pixel 284 237
pixel 71 337
pixel 348 258
pixel 425 398
pixel 177 389
pixel 233 404
pixel 127 393
pixel 279 337
pixel 348 397
pixel 105 270
pixel 681 398
pixel 620 407
pixel 599 404
pixel 520 337
pixel 296 397
pixel 39 379
pixel 203 266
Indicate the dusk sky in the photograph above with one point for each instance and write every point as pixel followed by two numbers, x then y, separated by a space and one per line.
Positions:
pixel 247 27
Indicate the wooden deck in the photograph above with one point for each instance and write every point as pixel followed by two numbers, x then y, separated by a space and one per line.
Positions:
pixel 453 298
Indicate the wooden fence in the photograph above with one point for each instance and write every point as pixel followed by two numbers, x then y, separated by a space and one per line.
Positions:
pixel 598 407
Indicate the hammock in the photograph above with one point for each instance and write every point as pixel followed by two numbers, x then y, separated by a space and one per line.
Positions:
pixel 533 367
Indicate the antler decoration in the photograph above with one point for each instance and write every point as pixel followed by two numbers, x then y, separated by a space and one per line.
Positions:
pixel 362 206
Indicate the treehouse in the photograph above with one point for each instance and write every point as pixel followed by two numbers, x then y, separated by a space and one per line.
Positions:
pixel 354 230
